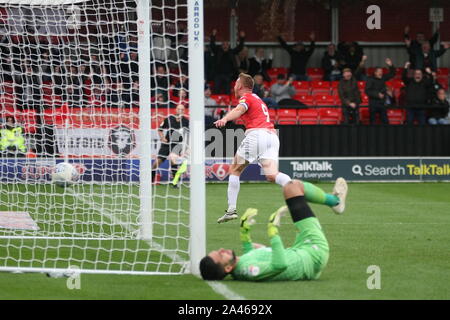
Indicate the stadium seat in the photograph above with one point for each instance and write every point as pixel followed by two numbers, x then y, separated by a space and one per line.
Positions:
pixel 442 72
pixel 302 87
pixel 320 87
pixel 361 85
pixel 8 87
pixel 364 99
pixel 395 83
pixel 364 115
pixel 274 72
pixel 308 116
pixel 305 99
pixel 396 116
pixel 273 115
pixel 7 101
pixel 443 83
pixel 221 99
pixel 287 116
pixel 330 116
pixel 315 74
pixel 324 100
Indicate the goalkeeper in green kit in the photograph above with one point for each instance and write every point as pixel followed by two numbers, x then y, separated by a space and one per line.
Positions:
pixel 304 260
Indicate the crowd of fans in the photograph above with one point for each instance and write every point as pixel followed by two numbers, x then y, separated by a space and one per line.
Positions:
pixel 43 76
pixel 415 86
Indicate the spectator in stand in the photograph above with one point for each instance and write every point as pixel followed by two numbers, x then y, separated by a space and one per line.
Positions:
pixel 135 93
pixel 259 65
pixel 46 67
pixel 28 90
pixel 12 141
pixel 97 98
pixel 376 91
pixel 57 80
pixel 243 62
pixel 389 100
pixel 160 82
pixel 299 57
pixel 331 64
pixel 181 99
pixel 261 91
pixel 425 57
pixel 351 55
pixel 439 113
pixel 73 82
pixel 282 91
pixel 225 62
pixel 209 112
pixel 183 83
pixel 414 46
pixel 350 96
pixel 209 64
pixel 418 93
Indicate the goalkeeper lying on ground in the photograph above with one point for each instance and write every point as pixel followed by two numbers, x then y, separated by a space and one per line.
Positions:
pixel 305 260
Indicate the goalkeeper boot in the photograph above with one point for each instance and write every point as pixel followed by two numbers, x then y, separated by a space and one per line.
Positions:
pixel 340 190
pixel 229 215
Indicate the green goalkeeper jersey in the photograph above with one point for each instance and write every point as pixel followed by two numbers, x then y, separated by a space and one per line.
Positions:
pixel 303 261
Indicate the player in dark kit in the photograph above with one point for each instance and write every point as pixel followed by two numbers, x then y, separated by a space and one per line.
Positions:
pixel 177 125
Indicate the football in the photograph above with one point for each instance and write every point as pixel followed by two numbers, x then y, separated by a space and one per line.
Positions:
pixel 65 174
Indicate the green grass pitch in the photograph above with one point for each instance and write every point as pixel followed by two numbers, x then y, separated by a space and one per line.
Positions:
pixel 402 228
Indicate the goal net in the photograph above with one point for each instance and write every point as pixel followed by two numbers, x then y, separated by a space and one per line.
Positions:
pixel 89 83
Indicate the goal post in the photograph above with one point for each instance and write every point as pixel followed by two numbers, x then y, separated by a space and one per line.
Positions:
pixel 90 82
pixel 145 163
pixel 197 124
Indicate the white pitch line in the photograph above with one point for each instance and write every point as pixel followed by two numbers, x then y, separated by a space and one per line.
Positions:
pixel 217 287
pixel 225 291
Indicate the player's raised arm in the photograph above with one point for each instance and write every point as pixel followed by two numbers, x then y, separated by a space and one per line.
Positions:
pixel 246 223
pixel 279 261
pixel 232 115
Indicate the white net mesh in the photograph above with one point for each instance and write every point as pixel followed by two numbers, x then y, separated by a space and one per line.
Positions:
pixel 70 93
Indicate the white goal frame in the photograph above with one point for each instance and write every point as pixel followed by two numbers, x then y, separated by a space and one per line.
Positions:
pixel 197 225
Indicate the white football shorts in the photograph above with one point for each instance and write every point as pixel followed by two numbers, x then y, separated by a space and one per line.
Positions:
pixel 259 144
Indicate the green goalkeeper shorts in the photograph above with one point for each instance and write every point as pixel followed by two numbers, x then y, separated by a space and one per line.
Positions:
pixel 312 240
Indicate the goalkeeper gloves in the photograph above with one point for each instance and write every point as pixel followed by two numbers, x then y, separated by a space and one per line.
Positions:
pixel 246 222
pixel 274 221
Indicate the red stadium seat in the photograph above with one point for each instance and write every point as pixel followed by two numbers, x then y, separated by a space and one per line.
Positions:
pixel 364 100
pixel 221 99
pixel 442 72
pixel 273 115
pixel 324 100
pixel 308 116
pixel 315 74
pixel 330 116
pixel 320 87
pixel 274 72
pixel 362 85
pixel 287 116
pixel 364 115
pixel 396 116
pixel 305 99
pixel 443 83
pixel 301 87
pixel 9 87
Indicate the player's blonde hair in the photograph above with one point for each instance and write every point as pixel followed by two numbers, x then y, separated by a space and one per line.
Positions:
pixel 246 80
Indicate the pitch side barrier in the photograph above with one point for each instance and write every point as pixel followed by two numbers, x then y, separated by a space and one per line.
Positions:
pixel 357 169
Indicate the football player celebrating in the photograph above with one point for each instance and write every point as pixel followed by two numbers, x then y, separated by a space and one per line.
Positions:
pixel 261 144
